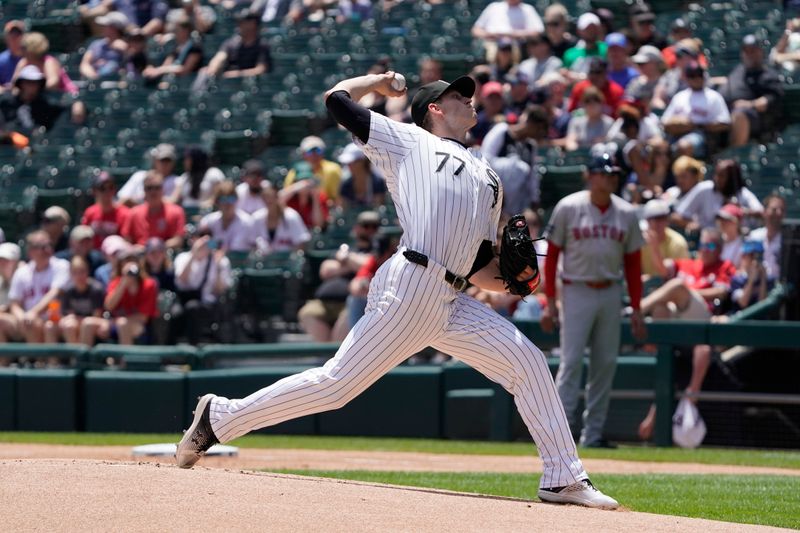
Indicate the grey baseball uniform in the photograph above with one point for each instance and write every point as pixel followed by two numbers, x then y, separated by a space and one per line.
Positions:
pixel 594 242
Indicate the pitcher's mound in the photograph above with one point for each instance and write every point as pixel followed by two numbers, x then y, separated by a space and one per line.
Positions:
pixel 87 495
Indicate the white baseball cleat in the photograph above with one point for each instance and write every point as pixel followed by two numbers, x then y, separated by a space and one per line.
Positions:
pixel 199 437
pixel 579 493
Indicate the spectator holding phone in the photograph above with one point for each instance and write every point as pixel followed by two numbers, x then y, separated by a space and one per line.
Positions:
pixel 751 283
pixel 202 275
pixel 130 301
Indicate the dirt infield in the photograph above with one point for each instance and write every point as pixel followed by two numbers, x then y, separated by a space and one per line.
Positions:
pixel 277 459
pixel 93 495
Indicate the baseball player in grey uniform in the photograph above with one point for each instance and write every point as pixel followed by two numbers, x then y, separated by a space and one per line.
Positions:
pixel 599 234
pixel 448 202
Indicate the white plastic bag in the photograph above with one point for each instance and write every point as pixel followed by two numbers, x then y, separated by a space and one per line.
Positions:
pixel 688 428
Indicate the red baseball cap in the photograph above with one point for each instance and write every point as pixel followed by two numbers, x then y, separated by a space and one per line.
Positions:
pixel 730 212
pixel 492 87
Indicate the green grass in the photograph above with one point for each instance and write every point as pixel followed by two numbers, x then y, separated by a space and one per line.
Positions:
pixel 771 458
pixel 765 500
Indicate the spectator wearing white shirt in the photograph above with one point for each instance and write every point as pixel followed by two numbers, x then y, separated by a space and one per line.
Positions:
pixel 770 234
pixel 278 228
pixel 162 160
pixel 700 206
pixel 695 112
pixel 540 59
pixel 34 285
pixel 230 226
pixel 202 275
pixel 195 187
pixel 510 18
pixel 253 183
pixel 688 172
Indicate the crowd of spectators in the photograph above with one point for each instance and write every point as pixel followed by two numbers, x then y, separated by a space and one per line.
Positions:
pixel 569 83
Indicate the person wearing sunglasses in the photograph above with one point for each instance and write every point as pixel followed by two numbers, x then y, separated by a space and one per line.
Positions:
pixel 231 227
pixel 34 285
pixel 105 217
pixel 155 217
pixel 696 286
pixel 328 173
pixel 694 113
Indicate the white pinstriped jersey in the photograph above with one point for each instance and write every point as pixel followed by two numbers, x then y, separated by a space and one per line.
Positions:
pixel 448 199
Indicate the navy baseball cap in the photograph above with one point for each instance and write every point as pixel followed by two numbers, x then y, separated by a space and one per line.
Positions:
pixel 604 164
pixel 430 92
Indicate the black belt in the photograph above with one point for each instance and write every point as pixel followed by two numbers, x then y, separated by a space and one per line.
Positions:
pixel 460 284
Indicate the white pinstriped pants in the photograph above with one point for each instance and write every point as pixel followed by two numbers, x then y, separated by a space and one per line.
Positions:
pixel 409 308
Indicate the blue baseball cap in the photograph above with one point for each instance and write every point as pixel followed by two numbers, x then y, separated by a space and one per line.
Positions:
pixel 604 163
pixel 616 39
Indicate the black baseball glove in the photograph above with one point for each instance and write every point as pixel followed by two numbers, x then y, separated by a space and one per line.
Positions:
pixel 516 254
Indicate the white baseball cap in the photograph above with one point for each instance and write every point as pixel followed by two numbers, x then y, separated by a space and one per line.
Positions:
pixel 350 154
pixel 10 251
pixel 311 142
pixel 587 19
pixel 655 208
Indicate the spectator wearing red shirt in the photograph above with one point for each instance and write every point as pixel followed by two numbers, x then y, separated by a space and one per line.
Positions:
pixel 131 299
pixel 155 217
pixel 598 76
pixel 105 217
pixel 696 283
pixel 306 197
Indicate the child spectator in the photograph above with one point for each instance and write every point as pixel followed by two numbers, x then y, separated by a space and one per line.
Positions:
pixel 729 223
pixel 158 265
pixel 81 297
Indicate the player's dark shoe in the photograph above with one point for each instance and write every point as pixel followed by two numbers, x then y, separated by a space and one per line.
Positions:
pixel 199 437
pixel 579 493
pixel 600 443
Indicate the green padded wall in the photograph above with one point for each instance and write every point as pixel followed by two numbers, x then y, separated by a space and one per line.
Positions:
pixel 8 393
pixel 136 402
pixel 47 400
pixel 241 382
pixel 406 402
pixel 468 413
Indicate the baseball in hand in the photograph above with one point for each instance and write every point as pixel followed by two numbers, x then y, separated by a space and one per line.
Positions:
pixel 399 82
